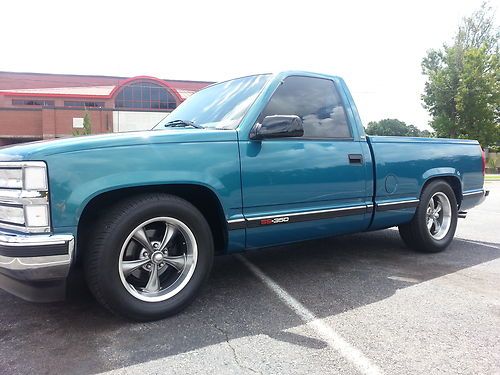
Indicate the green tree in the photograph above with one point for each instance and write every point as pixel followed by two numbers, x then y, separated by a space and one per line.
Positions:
pixel 87 126
pixel 395 127
pixel 426 133
pixel 462 92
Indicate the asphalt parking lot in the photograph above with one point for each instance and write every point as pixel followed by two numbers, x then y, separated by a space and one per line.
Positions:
pixel 353 304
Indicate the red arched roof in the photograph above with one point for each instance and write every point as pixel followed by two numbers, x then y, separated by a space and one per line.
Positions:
pixel 158 81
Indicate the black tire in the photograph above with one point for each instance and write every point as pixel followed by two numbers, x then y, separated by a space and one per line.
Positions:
pixel 103 254
pixel 416 235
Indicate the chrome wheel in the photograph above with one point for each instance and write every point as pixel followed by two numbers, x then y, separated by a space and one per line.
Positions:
pixel 438 216
pixel 158 259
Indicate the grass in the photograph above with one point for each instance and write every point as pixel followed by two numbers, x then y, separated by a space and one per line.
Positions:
pixel 492 177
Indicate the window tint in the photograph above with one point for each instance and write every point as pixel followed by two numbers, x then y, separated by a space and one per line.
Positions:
pixel 316 101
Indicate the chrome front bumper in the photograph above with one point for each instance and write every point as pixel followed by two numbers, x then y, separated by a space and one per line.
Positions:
pixel 35 267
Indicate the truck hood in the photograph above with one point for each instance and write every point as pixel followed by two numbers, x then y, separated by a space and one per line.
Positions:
pixel 38 150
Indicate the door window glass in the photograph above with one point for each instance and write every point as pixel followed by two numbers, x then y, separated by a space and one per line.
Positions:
pixel 316 101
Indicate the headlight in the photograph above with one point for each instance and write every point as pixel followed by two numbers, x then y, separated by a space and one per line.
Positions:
pixel 24 202
pixel 12 214
pixel 37 216
pixel 11 178
pixel 35 178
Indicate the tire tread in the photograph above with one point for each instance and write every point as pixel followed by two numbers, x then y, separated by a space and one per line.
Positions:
pixel 94 245
pixel 415 234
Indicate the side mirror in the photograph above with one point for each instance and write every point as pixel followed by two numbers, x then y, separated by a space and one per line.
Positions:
pixel 278 127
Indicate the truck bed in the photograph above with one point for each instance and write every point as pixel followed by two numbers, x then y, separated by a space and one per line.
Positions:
pixel 403 165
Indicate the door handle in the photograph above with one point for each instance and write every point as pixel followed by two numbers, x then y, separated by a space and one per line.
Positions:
pixel 355 159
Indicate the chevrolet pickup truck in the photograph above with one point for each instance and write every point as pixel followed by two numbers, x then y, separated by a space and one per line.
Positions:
pixel 252 162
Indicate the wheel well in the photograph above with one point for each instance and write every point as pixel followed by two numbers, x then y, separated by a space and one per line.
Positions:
pixel 201 197
pixel 453 181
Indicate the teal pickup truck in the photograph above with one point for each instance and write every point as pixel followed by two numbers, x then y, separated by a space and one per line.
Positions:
pixel 252 162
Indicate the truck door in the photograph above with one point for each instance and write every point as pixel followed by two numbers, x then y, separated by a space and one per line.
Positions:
pixel 305 187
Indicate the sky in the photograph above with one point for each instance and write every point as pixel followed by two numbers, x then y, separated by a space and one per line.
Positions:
pixel 376 46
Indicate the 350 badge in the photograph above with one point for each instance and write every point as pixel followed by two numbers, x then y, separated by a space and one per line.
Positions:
pixel 276 220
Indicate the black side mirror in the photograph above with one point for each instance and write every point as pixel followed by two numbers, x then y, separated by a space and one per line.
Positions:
pixel 278 126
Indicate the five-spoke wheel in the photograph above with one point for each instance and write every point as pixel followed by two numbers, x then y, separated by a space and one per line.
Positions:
pixel 149 257
pixel 438 215
pixel 433 226
pixel 158 258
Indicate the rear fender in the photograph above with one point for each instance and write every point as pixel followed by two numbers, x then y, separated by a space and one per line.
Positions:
pixel 453 175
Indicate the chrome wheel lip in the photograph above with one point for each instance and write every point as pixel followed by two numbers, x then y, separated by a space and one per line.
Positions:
pixel 183 278
pixel 438 216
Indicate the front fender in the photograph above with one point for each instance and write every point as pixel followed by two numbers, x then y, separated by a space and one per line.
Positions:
pixel 139 179
pixel 77 177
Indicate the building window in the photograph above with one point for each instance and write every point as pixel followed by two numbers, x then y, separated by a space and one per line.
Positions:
pixel 41 103
pixel 145 95
pixel 83 104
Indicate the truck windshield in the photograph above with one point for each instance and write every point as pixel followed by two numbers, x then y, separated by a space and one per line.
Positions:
pixel 222 105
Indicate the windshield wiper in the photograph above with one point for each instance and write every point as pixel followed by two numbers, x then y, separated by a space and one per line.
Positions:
pixel 181 124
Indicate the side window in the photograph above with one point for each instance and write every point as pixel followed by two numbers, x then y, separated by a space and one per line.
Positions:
pixel 316 101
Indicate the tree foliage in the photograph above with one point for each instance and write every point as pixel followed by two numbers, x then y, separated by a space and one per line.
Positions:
pixel 87 126
pixel 462 92
pixel 395 127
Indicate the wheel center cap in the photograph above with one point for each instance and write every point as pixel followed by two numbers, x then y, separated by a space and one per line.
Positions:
pixel 157 257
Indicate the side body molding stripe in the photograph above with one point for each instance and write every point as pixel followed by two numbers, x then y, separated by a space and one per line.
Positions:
pixel 296 217
pixel 236 224
pixel 305 216
pixel 474 193
pixel 397 205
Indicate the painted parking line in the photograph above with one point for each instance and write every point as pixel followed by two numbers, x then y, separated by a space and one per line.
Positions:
pixel 404 279
pixel 332 338
pixel 479 243
pixel 463 240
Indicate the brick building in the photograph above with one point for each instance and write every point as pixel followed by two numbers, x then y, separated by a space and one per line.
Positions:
pixel 37 106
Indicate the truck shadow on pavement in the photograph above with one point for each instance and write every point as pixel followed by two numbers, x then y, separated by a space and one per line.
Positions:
pixel 327 276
